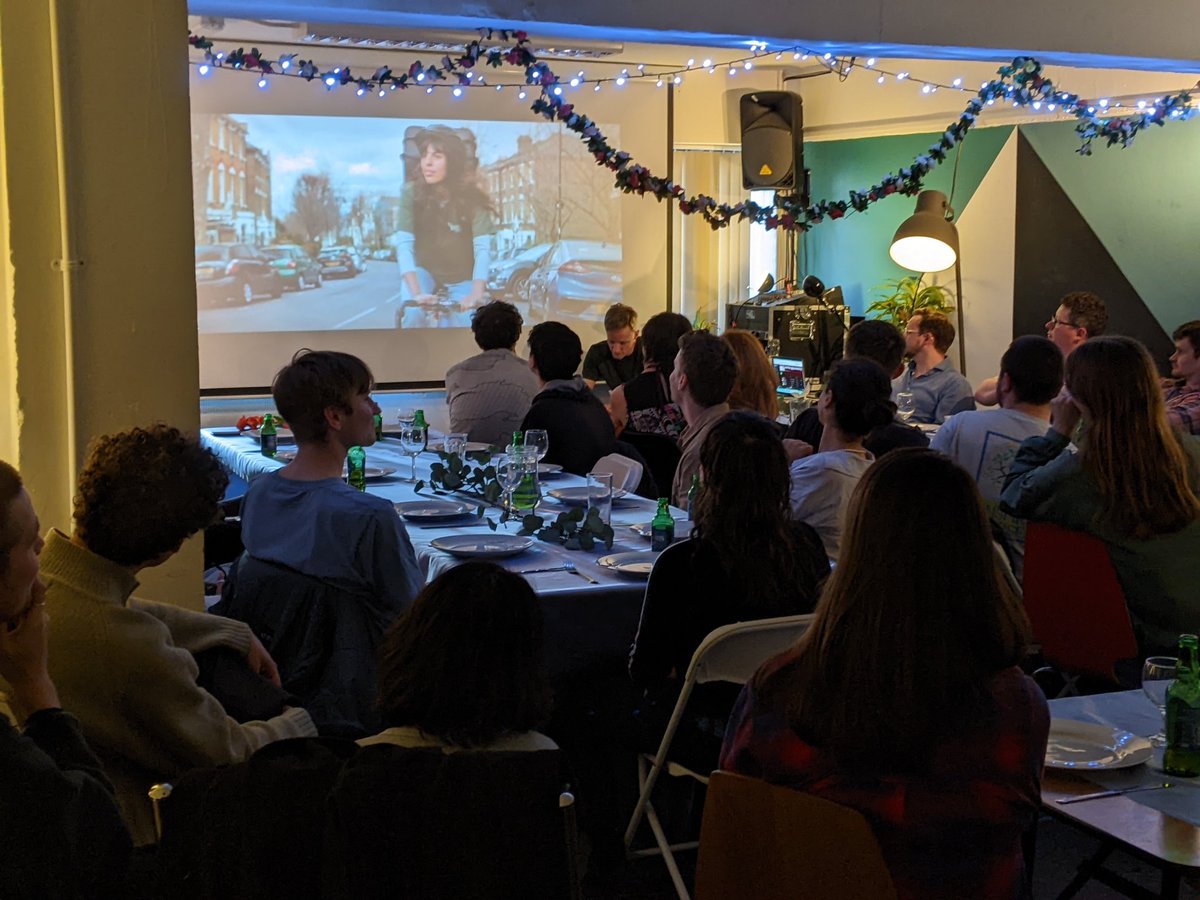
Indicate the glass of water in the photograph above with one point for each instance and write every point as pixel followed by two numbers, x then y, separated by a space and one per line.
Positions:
pixel 456 445
pixel 1157 675
pixel 412 442
pixel 906 405
pixel 600 495
pixel 539 438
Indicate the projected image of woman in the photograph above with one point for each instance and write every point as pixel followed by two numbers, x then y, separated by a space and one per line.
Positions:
pixel 443 242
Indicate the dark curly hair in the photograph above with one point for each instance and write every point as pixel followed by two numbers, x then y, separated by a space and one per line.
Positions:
pixel 862 396
pixel 496 325
pixel 465 663
pixel 142 492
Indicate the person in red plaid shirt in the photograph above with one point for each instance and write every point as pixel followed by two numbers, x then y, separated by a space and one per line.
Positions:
pixel 903 700
pixel 1181 391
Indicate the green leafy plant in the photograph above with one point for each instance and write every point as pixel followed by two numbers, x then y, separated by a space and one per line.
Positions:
pixel 452 474
pixel 572 529
pixel 906 296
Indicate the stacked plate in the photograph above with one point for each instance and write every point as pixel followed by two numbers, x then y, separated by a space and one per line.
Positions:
pixel 429 512
pixel 1087 745
pixel 635 564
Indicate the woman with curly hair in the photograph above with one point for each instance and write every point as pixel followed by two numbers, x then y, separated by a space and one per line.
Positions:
pixel 444 238
pixel 757 378
pixel 1134 483
pixel 125 666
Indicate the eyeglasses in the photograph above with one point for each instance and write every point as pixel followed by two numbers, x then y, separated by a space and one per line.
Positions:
pixel 1057 321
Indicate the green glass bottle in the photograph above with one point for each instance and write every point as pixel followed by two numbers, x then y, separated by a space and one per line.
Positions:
pixel 1182 756
pixel 269 436
pixel 527 493
pixel 693 493
pixel 356 468
pixel 662 526
pixel 419 422
pixel 379 426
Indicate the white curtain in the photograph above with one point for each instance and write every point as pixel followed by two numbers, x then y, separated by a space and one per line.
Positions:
pixel 711 268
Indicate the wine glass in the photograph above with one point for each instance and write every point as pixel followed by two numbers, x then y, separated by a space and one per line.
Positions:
pixel 906 405
pixel 412 442
pixel 1157 675
pixel 539 438
pixel 509 470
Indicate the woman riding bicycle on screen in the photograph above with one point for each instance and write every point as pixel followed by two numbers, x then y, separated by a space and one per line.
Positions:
pixel 444 238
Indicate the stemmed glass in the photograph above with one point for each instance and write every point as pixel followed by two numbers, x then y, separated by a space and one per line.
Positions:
pixel 906 405
pixel 539 438
pixel 1157 675
pixel 509 471
pixel 412 442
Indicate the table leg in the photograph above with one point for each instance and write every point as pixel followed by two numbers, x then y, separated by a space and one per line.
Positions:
pixel 1087 870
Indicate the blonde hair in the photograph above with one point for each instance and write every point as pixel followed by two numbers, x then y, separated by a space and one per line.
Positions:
pixel 1130 450
pixel 756 379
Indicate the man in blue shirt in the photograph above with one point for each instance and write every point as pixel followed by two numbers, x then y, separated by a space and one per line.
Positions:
pixel 938 390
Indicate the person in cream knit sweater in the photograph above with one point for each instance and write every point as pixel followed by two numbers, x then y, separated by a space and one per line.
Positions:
pixel 125 666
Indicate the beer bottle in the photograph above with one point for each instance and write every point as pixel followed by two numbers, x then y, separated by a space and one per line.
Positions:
pixel 269 436
pixel 356 468
pixel 419 422
pixel 693 493
pixel 379 426
pixel 662 526
pixel 1182 756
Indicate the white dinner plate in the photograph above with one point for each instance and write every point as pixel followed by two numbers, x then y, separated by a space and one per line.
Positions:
pixel 645 529
pixel 373 472
pixel 282 435
pixel 482 546
pixel 432 510
pixel 1087 745
pixel 472 446
pixel 636 563
pixel 285 455
pixel 578 496
pixel 549 470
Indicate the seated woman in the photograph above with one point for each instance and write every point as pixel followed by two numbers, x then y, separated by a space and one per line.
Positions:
pixel 904 700
pixel 463 667
pixel 745 560
pixel 856 401
pixel 644 404
pixel 1134 483
pixel 756 379
pixel 62 831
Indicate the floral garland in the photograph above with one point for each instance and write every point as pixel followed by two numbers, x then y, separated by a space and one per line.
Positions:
pixel 1021 84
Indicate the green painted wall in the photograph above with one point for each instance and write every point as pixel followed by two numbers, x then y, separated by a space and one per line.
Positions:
pixel 1143 202
pixel 853 252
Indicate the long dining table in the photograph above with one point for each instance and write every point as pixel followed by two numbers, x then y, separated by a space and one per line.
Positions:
pixel 591 614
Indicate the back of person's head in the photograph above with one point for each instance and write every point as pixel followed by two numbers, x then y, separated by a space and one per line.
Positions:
pixel 314 381
pixel 142 492
pixel 1189 331
pixel 878 340
pixel 1087 311
pixel 743 511
pixel 938 325
pixel 901 651
pixel 465 662
pixel 1034 365
pixel 620 316
pixel 556 350
pixel 1137 460
pixel 757 379
pixel 10 533
pixel 660 338
pixel 861 396
pixel 710 367
pixel 496 325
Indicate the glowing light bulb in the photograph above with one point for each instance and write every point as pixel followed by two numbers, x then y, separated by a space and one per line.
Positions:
pixel 658 83
pixel 957 82
pixel 925 89
pixel 900 76
pixel 361 91
pixel 620 80
pixel 521 95
pixel 262 84
pixel 382 93
pixel 678 80
pixel 1102 103
pixel 828 56
pixel 286 64
pixel 881 79
pixel 870 62
pixel 707 63
pixel 557 91
pixel 574 82
pixel 1037 104
pixel 732 71
pixel 204 69
pixel 420 76
pixel 1141 104
pixel 597 87
pixel 330 81
pixel 796 55
pixel 691 62
pixel 429 90
pixel 747 65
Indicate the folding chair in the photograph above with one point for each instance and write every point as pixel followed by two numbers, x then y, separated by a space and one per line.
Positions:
pixel 1075 604
pixel 731 653
pixel 769 842
pixel 625 472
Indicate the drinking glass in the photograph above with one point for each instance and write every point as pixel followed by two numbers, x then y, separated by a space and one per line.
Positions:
pixel 527 493
pixel 906 405
pixel 797 403
pixel 508 468
pixel 1157 675
pixel 412 442
pixel 537 437
pixel 600 495
pixel 456 445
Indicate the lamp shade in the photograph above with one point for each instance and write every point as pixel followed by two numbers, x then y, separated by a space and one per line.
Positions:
pixel 926 241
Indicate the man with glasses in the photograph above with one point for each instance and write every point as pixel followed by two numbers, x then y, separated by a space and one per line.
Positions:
pixel 938 389
pixel 1080 315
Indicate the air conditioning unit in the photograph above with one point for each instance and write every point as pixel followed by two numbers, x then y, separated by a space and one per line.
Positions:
pixel 370 37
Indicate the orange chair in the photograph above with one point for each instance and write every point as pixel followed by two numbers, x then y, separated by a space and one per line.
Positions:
pixel 1075 603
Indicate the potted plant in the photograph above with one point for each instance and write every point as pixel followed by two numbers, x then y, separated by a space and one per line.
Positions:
pixel 906 296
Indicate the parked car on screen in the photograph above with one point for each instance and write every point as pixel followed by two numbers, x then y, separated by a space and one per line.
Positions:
pixel 507 277
pixel 388 254
pixel 576 280
pixel 234 272
pixel 339 261
pixel 297 269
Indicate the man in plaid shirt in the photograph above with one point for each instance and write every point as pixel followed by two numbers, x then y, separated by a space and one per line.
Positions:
pixel 1182 390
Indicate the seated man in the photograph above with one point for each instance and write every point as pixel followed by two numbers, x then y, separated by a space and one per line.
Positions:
pixel 578 424
pixel 1182 390
pixel 882 342
pixel 985 442
pixel 125 666
pixel 938 389
pixel 489 393
pixel 619 358
pixel 704 373
pixel 341 558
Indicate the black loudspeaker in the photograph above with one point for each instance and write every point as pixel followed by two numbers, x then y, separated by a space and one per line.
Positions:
pixel 772 140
